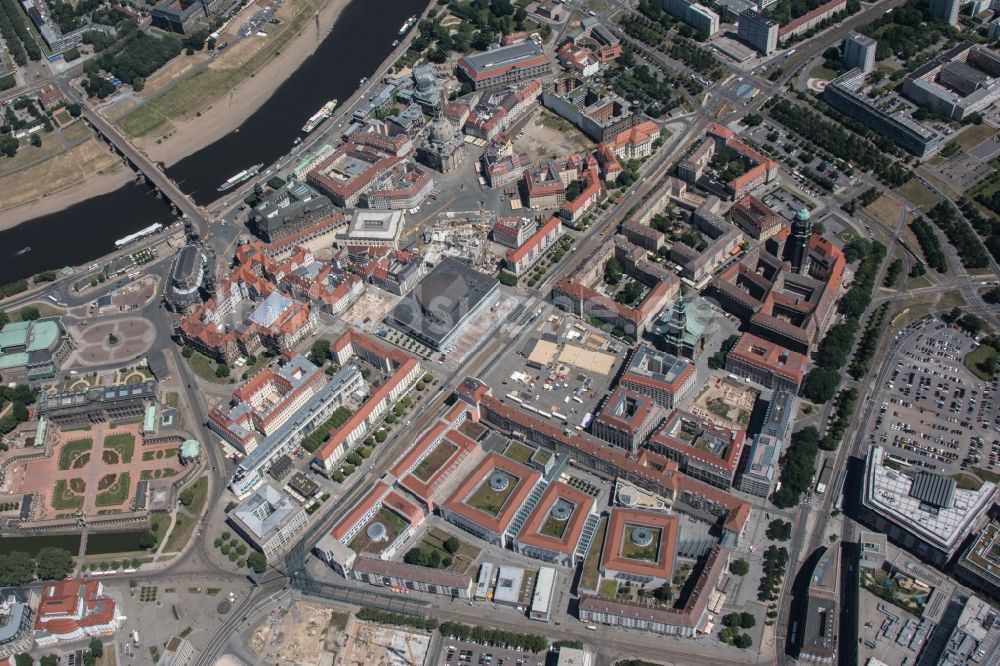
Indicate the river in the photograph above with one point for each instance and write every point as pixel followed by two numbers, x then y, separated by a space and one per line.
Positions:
pixel 359 41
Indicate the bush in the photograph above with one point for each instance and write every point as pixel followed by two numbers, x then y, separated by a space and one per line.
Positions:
pixel 71 54
pixel 507 279
pixel 7 82
pixel 29 313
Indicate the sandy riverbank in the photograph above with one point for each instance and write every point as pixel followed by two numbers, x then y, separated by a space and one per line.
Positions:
pixel 191 134
pixel 92 186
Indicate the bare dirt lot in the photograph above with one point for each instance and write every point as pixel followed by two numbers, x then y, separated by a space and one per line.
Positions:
pixel 547 135
pixel 309 634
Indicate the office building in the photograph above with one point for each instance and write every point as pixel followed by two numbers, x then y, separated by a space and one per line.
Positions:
pixel 494 500
pixel 399 575
pixel 758 31
pixel 177 652
pixel 627 419
pixel 268 520
pixel 501 67
pixel 859 52
pixel 667 379
pixel 291 208
pixel 696 15
pixel 821 621
pixel 979 566
pixel 16 621
pixel 596 111
pixel 845 94
pixel 704 451
pixel 561 527
pixel 958 83
pixel 374 227
pixel 927 514
pixel 945 10
pixel 755 219
pixel 766 363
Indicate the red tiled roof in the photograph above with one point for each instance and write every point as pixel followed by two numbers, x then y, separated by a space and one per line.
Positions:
pixel 729 459
pixel 612 557
pixel 526 479
pixel 531 534
pixel 69 605
pixel 375 495
pixel 754 350
pixel 515 256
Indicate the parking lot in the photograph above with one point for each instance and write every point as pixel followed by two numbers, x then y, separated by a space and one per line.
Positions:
pixel 934 413
pixel 467 653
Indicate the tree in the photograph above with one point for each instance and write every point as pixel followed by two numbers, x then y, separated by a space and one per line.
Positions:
pixel 257 561
pixel 507 279
pixel 23 659
pixel 664 592
pixel 747 620
pixel 187 496
pixel 742 641
pixel 380 436
pixel 739 567
pixel 320 351
pixel 779 530
pixel 612 271
pixel 147 541
pixel 53 563
pixel 96 647
pixel 16 569
pixel 4 319
pixel 821 384
pixel 49 660
pixel 451 544
pixel 29 313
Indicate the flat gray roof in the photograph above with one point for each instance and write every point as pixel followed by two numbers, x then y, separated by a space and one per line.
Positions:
pixel 507 55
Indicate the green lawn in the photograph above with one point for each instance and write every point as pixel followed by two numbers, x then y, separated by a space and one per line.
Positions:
pixel 200 489
pixel 205 367
pixel 973 135
pixel 123 443
pixel 491 501
pixel 648 553
pixel 519 452
pixel 433 461
pixel 591 566
pixel 63 499
pixel 918 194
pixel 462 559
pixel 181 534
pixel 967 481
pixel 986 475
pixel 116 494
pixel 554 528
pixel 977 359
pixel 70 450
pixel 172 399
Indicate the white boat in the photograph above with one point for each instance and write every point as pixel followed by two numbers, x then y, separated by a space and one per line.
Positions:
pixel 242 176
pixel 315 119
pixel 407 25
pixel 363 80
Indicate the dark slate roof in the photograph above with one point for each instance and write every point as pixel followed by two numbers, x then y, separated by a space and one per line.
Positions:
pixel 933 489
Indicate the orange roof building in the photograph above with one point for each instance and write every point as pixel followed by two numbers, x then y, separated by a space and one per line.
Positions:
pixel 704 450
pixel 766 363
pixel 640 546
pixel 555 528
pixel 70 610
pixel 491 497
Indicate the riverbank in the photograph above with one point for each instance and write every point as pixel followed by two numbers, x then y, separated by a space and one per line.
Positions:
pixel 251 78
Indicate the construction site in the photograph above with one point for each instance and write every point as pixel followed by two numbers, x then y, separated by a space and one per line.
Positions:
pixel 307 634
pixel 369 644
pixel 463 235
